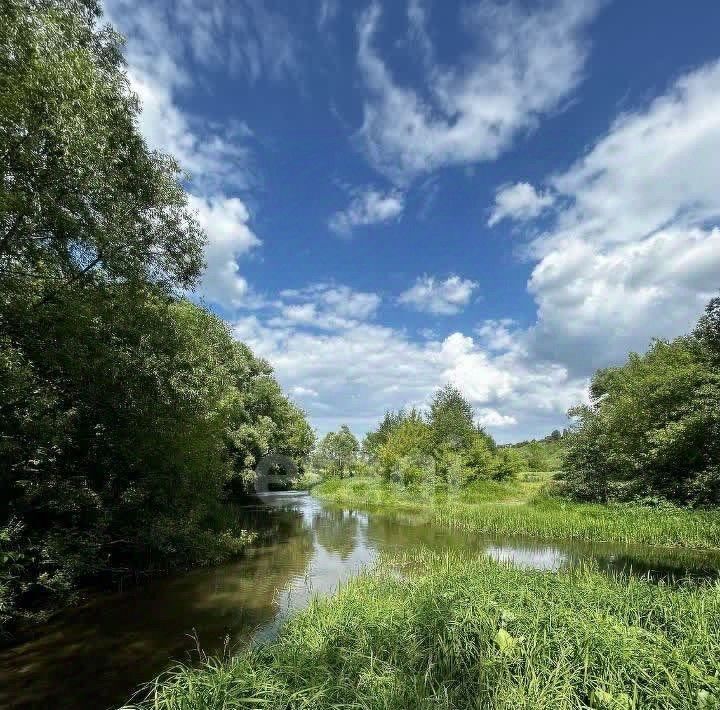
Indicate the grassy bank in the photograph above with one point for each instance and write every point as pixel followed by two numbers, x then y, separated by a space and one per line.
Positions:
pixel 521 508
pixel 470 633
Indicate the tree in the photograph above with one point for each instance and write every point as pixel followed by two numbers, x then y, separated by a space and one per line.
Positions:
pixel 82 199
pixel 406 456
pixel 479 458
pixel 506 464
pixel 126 412
pixel 451 419
pixel 653 426
pixel 536 458
pixel 374 440
pixel 337 453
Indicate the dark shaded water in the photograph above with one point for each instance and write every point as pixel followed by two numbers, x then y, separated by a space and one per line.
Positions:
pixel 95 656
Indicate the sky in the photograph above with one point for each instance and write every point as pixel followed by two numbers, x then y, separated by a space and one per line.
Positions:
pixel 504 195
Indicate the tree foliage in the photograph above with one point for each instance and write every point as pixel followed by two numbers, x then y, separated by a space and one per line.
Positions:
pixel 442 447
pixel 129 417
pixel 652 429
pixel 337 453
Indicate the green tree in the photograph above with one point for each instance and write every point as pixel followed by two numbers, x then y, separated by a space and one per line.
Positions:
pixel 337 453
pixel 506 464
pixel 653 426
pixel 479 458
pixel 536 457
pixel 406 456
pixel 125 412
pixel 374 440
pixel 451 419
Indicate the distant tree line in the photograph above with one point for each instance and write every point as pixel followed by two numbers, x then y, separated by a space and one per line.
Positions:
pixel 650 434
pixel 442 446
pixel 130 419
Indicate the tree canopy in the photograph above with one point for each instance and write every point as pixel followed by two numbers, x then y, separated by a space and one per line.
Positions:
pixel 652 428
pixel 130 418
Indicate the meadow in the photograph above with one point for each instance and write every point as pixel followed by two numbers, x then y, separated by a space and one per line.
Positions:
pixel 447 631
pixel 527 507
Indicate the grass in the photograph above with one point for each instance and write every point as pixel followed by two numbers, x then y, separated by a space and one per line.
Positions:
pixel 522 508
pixel 458 632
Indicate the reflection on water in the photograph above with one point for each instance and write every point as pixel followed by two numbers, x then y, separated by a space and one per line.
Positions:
pixel 95 656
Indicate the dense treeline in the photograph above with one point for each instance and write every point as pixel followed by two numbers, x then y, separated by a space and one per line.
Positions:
pixel 440 447
pixel 544 454
pixel 129 418
pixel 652 429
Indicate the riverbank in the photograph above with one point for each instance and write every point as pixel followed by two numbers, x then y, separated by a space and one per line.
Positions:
pixel 458 632
pixel 523 508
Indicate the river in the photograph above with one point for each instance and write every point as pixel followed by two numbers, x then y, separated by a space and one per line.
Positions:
pixel 95 656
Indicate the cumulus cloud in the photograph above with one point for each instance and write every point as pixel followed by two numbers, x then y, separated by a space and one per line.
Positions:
pixel 487 417
pixel 636 251
pixel 323 306
pixel 523 64
pixel 225 221
pixel 519 202
pixel 361 370
pixel 215 157
pixel 367 207
pixel 633 252
pixel 439 297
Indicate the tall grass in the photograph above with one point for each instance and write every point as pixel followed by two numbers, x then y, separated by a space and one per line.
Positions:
pixel 455 632
pixel 520 508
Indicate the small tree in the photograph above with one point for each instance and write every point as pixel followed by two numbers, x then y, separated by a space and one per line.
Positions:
pixel 405 457
pixel 451 419
pixel 478 459
pixel 536 458
pixel 337 453
pixel 506 464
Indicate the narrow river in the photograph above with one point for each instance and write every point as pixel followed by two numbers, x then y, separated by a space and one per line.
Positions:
pixel 95 656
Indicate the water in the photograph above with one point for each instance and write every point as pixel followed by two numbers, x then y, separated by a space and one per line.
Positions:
pixel 95 656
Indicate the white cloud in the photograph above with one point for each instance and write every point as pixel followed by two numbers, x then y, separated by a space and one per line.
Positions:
pixel 327 11
pixel 323 306
pixel 487 417
pixel 300 391
pixel 225 221
pixel 361 370
pixel 519 202
pixel 439 297
pixel 636 251
pixel 216 158
pixel 245 36
pixel 523 65
pixel 367 207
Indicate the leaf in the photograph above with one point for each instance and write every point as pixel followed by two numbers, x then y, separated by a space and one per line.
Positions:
pixel 602 699
pixel 505 642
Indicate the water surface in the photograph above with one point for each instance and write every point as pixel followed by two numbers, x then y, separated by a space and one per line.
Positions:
pixel 95 656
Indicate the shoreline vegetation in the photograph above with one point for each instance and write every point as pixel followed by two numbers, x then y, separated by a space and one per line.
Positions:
pixel 450 631
pixel 527 509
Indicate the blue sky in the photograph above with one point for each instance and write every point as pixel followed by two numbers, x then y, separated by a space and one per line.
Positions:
pixel 504 195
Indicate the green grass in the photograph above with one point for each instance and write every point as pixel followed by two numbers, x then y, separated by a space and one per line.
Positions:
pixel 453 632
pixel 522 508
